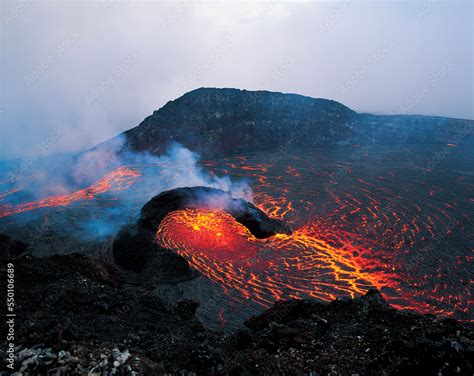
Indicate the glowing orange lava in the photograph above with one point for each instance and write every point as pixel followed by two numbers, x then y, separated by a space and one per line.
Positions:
pixel 119 179
pixel 311 262
pixel 214 233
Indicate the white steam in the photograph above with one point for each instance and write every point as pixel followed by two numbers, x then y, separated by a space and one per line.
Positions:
pixel 185 172
pixel 178 167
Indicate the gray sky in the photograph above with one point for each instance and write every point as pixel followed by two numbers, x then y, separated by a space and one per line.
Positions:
pixel 76 74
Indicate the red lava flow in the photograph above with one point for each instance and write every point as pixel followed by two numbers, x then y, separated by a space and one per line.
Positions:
pixel 308 263
pixel 119 179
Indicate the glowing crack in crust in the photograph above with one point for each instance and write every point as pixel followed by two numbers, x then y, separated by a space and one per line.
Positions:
pixel 306 263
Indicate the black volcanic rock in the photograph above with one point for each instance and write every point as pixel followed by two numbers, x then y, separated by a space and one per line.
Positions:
pixel 217 122
pixel 362 336
pixel 10 248
pixel 78 315
pixel 135 247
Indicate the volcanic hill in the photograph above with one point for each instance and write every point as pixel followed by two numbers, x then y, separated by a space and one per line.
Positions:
pixel 217 122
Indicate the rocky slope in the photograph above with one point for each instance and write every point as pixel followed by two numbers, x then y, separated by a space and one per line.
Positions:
pixel 78 315
pixel 218 122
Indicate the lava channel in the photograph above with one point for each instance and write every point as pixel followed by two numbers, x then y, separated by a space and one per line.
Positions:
pixel 117 180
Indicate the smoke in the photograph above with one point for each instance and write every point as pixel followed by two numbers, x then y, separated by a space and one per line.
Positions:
pixel 185 172
pixel 178 167
pixel 114 198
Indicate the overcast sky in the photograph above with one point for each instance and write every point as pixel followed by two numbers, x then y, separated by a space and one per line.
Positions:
pixel 76 74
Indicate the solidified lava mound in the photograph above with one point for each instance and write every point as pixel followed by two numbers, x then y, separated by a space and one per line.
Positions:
pixel 135 247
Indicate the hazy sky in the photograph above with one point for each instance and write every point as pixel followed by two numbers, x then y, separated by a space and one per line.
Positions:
pixel 75 74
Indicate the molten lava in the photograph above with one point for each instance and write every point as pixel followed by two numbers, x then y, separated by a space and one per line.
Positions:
pixel 308 263
pixel 119 179
pixel 213 233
